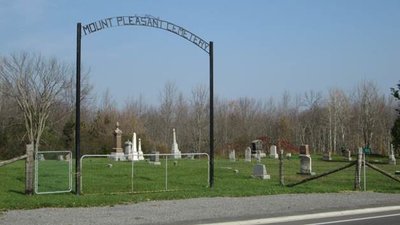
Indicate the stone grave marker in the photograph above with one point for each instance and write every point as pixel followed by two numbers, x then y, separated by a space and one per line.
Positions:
pixel 140 152
pixel 258 156
pixel 327 156
pixel 259 171
pixel 273 152
pixel 247 154
pixel 304 150
pixel 348 154
pixel 41 157
pixel 190 156
pixel 305 161
pixel 118 155
pixel 155 158
pixel 175 150
pixel 306 165
pixel 232 156
pixel 392 158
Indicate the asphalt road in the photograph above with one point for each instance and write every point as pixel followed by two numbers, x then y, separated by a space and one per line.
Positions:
pixel 379 215
pixel 207 210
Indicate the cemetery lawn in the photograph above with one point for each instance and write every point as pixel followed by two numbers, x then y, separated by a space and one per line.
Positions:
pixel 108 182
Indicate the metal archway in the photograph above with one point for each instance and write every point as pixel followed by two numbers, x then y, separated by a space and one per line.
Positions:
pixel 147 21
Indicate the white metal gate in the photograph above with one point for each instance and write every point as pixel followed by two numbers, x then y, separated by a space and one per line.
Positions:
pixel 102 174
pixel 53 172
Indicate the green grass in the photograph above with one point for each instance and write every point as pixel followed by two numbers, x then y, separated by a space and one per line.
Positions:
pixel 105 185
pixel 53 175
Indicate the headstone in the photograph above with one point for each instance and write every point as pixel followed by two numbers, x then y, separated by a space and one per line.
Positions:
pixel 175 150
pixel 327 156
pixel 118 155
pixel 232 156
pixel 288 155
pixel 306 165
pixel 255 146
pixel 392 158
pixel 131 150
pixel 258 156
pixel 41 157
pixel 190 156
pixel 128 148
pixel 247 154
pixel 155 158
pixel 134 148
pixel 140 152
pixel 304 150
pixel 259 171
pixel 272 152
pixel 128 151
pixel 348 154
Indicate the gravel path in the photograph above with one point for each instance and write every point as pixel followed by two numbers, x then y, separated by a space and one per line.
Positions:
pixel 201 210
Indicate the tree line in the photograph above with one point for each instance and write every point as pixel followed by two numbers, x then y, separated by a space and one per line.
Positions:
pixel 37 106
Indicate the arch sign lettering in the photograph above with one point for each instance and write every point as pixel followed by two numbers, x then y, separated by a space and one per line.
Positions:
pixel 146 21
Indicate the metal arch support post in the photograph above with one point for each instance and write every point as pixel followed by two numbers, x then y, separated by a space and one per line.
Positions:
pixel 78 110
pixel 211 53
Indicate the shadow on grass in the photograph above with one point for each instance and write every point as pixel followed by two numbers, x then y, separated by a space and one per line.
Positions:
pixel 17 192
pixel 336 161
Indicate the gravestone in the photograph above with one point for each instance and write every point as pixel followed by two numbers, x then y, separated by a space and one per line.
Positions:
pixel 306 165
pixel 258 156
pixel 348 154
pixel 232 156
pixel 247 154
pixel 155 158
pixel 190 156
pixel 175 150
pixel 259 171
pixel 140 152
pixel 273 152
pixel 41 157
pixel 327 156
pixel 128 149
pixel 288 155
pixel 392 158
pixel 304 150
pixel 255 146
pixel 118 155
pixel 133 156
pixel 305 161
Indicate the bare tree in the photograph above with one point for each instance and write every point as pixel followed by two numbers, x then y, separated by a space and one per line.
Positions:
pixel 36 84
pixel 366 102
pixel 168 99
pixel 339 115
pixel 199 116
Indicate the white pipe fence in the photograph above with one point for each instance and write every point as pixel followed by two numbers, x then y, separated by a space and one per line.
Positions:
pixel 132 171
pixel 38 166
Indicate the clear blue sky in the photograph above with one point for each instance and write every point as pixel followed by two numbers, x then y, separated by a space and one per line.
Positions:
pixel 262 48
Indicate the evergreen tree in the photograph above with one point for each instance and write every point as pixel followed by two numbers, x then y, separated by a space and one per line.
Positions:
pixel 396 127
pixel 396 94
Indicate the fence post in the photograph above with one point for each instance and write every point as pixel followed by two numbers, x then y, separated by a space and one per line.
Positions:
pixel 364 170
pixel 281 177
pixel 29 168
pixel 357 177
pixel 166 172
